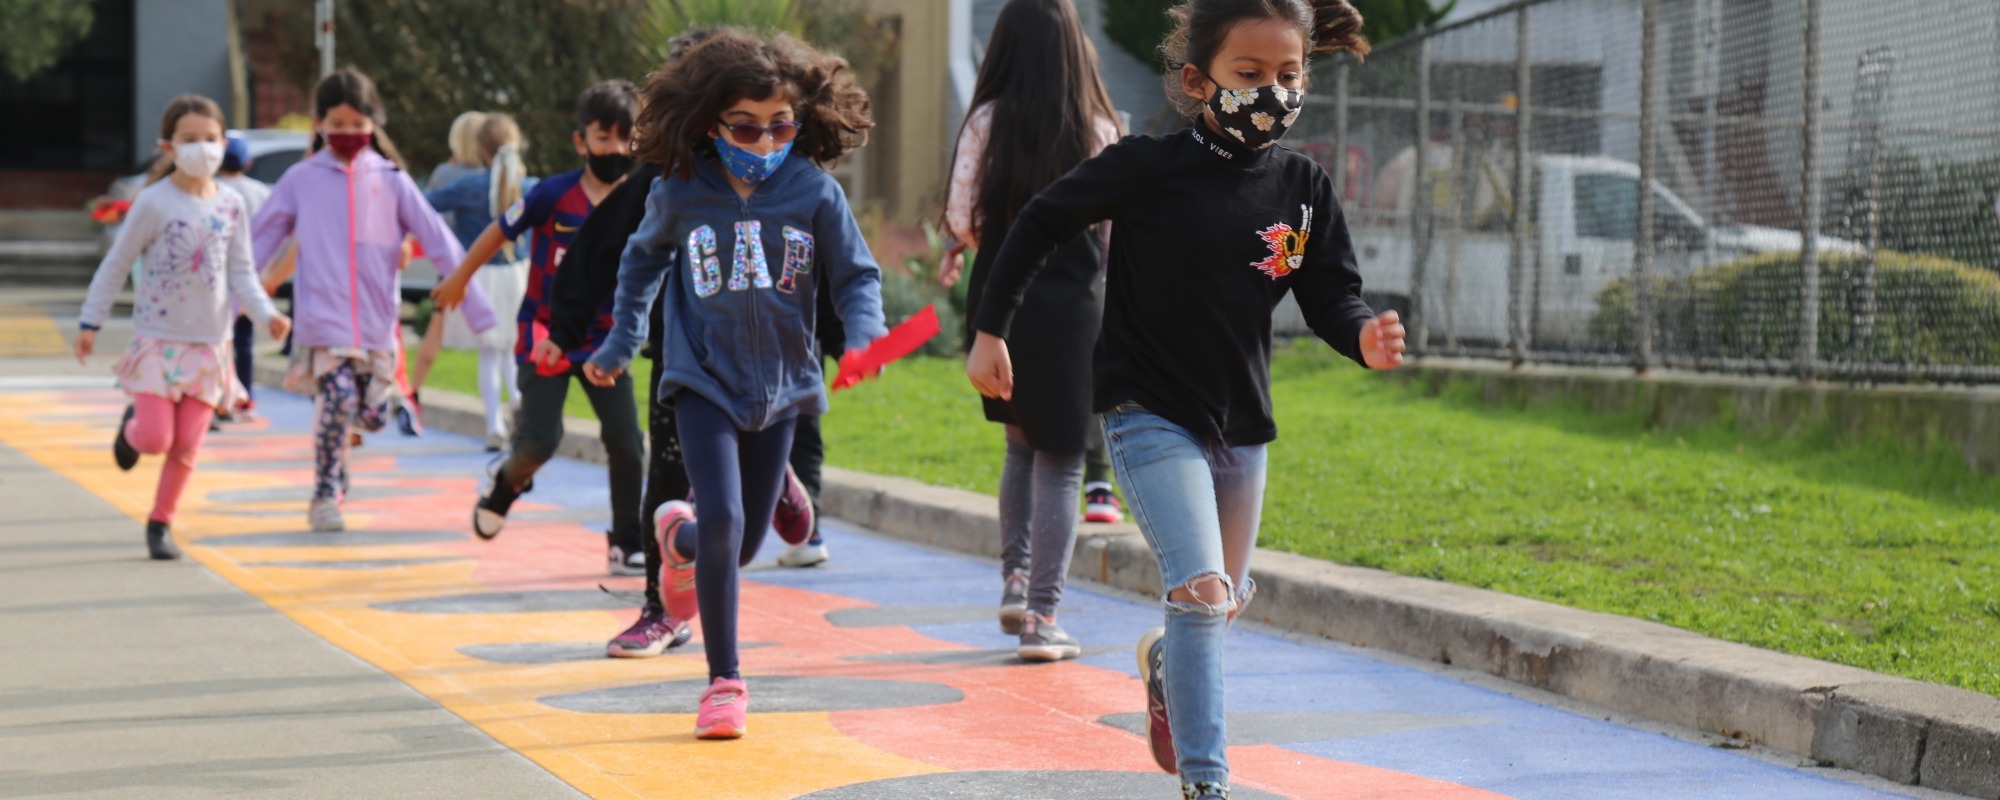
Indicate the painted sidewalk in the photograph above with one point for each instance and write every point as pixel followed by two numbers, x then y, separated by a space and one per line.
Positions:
pixel 879 675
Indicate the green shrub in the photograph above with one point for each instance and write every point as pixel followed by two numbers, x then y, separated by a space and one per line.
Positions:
pixel 1928 310
pixel 913 284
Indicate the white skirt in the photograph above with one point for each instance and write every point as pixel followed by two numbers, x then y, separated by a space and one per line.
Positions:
pixel 504 285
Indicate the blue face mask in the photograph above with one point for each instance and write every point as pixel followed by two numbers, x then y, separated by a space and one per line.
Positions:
pixel 748 167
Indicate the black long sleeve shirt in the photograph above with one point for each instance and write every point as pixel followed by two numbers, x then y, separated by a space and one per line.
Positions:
pixel 1206 237
pixel 589 273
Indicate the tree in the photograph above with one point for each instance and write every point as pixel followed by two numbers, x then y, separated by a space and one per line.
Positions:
pixel 1140 25
pixel 35 34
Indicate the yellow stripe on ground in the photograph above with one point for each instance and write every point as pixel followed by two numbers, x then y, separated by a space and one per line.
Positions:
pixel 27 332
pixel 603 755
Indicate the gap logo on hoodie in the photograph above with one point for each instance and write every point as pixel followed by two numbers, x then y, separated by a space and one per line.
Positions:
pixel 748 267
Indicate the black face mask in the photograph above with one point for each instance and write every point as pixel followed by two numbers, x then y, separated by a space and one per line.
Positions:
pixel 1256 116
pixel 608 168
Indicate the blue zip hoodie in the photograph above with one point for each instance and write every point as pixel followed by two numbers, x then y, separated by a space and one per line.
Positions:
pixel 740 289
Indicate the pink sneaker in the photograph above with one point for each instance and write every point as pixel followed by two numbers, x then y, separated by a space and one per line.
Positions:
pixel 722 710
pixel 794 518
pixel 677 573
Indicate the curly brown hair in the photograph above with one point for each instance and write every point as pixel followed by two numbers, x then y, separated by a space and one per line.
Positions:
pixel 1200 26
pixel 685 98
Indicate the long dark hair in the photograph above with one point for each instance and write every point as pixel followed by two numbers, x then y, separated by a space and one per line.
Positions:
pixel 684 100
pixel 348 86
pixel 1200 26
pixel 1044 95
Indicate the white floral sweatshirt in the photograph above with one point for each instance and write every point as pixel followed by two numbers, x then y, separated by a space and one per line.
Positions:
pixel 197 253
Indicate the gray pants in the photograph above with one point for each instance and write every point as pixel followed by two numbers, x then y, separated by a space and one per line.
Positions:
pixel 1039 492
pixel 540 431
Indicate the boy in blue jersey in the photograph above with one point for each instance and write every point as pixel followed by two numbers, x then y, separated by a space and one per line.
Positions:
pixel 553 211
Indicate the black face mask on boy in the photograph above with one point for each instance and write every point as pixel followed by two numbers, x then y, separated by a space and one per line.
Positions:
pixel 1256 116
pixel 608 168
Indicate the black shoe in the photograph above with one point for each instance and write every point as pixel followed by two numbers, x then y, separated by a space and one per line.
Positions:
pixel 489 515
pixel 160 542
pixel 122 451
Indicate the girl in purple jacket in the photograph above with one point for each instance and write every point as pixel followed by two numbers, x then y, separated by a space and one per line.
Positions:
pixel 349 206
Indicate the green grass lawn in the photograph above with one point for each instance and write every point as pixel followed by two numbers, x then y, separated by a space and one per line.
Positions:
pixel 1863 554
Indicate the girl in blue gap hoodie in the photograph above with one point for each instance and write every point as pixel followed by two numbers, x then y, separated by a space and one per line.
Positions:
pixel 737 225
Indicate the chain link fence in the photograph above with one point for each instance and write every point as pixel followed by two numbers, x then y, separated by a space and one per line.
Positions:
pixel 1491 172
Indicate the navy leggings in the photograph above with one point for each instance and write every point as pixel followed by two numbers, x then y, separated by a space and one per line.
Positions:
pixel 737 476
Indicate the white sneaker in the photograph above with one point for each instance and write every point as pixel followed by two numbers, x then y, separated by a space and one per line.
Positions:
pixel 324 516
pixel 623 564
pixel 805 554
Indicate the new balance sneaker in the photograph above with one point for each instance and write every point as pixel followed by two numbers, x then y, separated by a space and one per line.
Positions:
pixel 723 707
pixel 122 450
pixel 489 515
pixel 1013 602
pixel 623 564
pixel 1100 504
pixel 653 634
pixel 811 553
pixel 1043 640
pixel 410 417
pixel 324 515
pixel 1159 731
pixel 160 541
pixel 677 574
pixel 794 517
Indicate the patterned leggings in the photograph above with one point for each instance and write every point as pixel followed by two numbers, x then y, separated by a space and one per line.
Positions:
pixel 337 406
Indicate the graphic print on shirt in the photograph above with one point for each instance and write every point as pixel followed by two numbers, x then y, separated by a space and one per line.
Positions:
pixel 701 260
pixel 553 212
pixel 748 267
pixel 798 258
pixel 186 248
pixel 1288 245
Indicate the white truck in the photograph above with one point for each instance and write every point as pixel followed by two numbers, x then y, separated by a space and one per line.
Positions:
pixel 1583 221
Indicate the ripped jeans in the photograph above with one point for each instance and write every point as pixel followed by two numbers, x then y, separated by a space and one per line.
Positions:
pixel 1198 505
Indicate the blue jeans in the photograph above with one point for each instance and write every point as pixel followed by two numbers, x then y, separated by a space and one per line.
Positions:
pixel 1198 504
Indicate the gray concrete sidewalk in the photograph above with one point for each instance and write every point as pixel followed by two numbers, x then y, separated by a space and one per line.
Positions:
pixel 121 677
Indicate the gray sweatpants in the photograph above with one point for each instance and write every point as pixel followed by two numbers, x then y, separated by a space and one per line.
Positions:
pixel 1039 492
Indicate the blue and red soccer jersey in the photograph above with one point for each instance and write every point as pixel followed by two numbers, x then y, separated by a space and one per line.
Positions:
pixel 554 210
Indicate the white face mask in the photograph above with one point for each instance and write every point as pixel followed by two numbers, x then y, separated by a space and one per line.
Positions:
pixel 198 159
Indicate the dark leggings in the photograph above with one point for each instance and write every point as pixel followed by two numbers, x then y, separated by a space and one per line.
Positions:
pixel 738 476
pixel 242 337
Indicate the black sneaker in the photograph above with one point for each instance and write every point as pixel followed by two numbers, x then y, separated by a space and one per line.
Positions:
pixel 624 564
pixel 1043 640
pixel 160 542
pixel 122 451
pixel 1159 730
pixel 489 515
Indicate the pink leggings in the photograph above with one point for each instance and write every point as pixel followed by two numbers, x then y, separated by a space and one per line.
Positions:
pixel 162 426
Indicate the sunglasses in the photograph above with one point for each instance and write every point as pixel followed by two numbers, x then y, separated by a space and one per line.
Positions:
pixel 751 133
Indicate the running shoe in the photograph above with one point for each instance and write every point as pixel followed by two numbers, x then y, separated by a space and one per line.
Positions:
pixel 410 417
pixel 1159 731
pixel 1205 790
pixel 1013 602
pixel 653 634
pixel 677 578
pixel 1101 504
pixel 489 515
pixel 810 554
pixel 1043 640
pixel 723 707
pixel 623 564
pixel 122 450
pixel 324 515
pixel 160 541
pixel 794 517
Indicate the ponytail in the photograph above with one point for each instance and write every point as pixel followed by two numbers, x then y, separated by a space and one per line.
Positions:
pixel 504 187
pixel 1336 26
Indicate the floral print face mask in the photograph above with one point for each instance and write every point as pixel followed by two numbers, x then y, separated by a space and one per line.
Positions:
pixel 1256 116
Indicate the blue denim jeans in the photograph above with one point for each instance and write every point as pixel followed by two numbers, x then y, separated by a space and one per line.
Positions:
pixel 1198 504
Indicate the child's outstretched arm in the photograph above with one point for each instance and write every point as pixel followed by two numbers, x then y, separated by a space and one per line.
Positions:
pixel 1329 290
pixel 852 275
pixel 648 255
pixel 272 227
pixel 451 291
pixel 142 223
pixel 1093 192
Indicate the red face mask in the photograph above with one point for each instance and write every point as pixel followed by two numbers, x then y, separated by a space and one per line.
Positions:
pixel 346 145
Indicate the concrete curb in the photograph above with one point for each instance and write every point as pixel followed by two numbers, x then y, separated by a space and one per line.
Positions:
pixel 1908 731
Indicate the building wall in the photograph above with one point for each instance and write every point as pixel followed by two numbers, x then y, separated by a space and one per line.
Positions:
pixel 180 47
pixel 918 138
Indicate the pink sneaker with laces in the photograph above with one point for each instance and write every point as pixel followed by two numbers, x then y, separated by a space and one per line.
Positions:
pixel 675 519
pixel 722 709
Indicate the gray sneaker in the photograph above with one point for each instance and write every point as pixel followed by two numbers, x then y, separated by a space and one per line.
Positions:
pixel 1043 640
pixel 1013 602
pixel 324 515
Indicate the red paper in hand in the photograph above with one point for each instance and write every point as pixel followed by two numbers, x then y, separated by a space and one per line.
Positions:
pixel 561 367
pixel 902 340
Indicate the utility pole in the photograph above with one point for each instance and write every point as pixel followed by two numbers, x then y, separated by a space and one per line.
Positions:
pixel 323 34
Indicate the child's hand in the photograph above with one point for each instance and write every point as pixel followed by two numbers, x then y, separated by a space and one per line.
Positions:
pixel 1382 341
pixel 449 294
pixel 952 267
pixel 599 376
pixel 547 353
pixel 280 325
pixel 86 343
pixel 990 368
